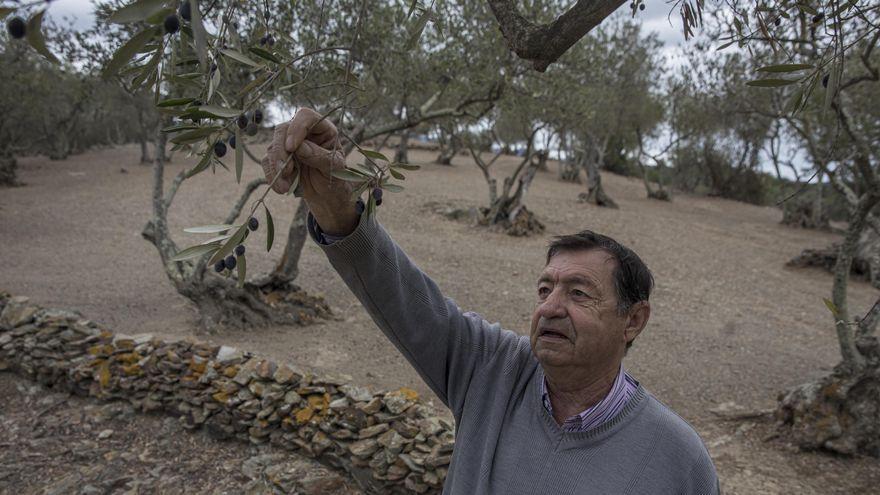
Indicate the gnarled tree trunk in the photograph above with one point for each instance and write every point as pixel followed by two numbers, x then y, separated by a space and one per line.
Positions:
pixel 595 192
pixel 223 301
pixel 8 169
pixel 449 147
pixel 841 411
pixel 402 154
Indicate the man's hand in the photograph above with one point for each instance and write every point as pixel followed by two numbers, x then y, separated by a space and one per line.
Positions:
pixel 315 145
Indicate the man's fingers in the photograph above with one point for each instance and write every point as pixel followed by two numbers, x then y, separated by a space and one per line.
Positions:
pixel 270 169
pixel 308 124
pixel 312 155
pixel 275 158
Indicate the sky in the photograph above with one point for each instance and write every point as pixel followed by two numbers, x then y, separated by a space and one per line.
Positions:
pixel 653 18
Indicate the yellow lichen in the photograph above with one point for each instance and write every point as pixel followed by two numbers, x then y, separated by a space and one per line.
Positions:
pixel 304 415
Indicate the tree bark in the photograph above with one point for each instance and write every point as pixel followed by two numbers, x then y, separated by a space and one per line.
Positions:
pixel 595 192
pixel 449 147
pixel 8 171
pixel 544 44
pixel 402 153
pixel 223 301
pixel 845 334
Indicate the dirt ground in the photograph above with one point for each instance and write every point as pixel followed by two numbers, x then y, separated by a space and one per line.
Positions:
pixel 730 323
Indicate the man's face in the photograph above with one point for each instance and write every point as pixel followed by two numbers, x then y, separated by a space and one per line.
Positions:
pixel 575 325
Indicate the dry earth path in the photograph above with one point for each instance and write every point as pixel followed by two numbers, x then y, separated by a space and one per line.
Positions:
pixel 729 322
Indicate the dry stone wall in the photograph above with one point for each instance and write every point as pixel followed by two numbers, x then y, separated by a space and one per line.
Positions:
pixel 388 442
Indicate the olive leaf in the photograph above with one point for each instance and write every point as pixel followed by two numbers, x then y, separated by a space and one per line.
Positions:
pixel 209 229
pixel 264 54
pixel 373 154
pixel 270 229
pixel 138 10
pixel 229 245
pixel 831 307
pixel 406 166
pixel 241 57
pixel 770 83
pixel 392 187
pixel 397 175
pixel 123 55
pixel 417 30
pixel 785 68
pixel 218 111
pixel 347 174
pixel 242 269
pixel 194 135
pixel 239 155
pixel 194 251
pixel 174 102
pixel 35 36
pixel 202 165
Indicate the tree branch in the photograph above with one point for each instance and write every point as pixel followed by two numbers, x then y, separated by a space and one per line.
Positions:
pixel 868 324
pixel 169 196
pixel 544 44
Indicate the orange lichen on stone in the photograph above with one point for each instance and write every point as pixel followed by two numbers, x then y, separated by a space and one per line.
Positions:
pixel 319 402
pixel 304 415
pixel 408 393
pixel 198 367
pixel 221 397
pixel 101 349
pixel 128 357
pixel 231 371
pixel 132 370
pixel 104 375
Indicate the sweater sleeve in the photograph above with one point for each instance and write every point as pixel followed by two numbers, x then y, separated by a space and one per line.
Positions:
pixel 445 345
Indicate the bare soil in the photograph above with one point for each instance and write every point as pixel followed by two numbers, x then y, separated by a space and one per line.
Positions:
pixel 729 322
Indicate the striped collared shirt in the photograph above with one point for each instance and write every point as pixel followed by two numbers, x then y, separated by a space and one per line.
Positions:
pixel 624 387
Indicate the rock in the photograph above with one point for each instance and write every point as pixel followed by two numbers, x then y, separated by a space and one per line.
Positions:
pixel 372 407
pixel 339 404
pixel 392 441
pixel 430 426
pixel 105 434
pixel 292 398
pixel 364 448
pixel 372 431
pixel 254 466
pixel 357 394
pixel 405 428
pixel 17 312
pixel 246 372
pixel 228 355
pixel 399 401
pixel 266 369
pixel 257 388
pixel 284 375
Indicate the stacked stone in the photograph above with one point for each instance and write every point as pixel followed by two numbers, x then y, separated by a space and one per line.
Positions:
pixel 389 442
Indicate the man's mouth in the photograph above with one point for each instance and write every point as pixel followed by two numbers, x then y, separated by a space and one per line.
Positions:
pixel 550 334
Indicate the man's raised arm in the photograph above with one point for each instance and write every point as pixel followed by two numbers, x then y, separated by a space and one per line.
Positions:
pixel 445 345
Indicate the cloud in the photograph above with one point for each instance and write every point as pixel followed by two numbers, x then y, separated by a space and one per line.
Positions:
pixel 81 12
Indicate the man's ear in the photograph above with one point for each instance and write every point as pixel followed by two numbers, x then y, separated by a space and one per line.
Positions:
pixel 637 319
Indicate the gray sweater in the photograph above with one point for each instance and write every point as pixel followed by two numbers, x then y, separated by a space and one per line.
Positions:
pixel 506 442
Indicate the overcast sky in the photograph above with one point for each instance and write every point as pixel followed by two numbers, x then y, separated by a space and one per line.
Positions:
pixel 653 18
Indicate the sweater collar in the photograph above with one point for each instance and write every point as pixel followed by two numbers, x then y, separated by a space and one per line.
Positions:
pixel 633 407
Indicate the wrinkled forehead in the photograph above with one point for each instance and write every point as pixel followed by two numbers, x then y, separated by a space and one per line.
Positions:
pixel 595 267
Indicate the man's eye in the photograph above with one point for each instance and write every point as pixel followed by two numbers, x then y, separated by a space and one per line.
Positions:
pixel 543 291
pixel 580 293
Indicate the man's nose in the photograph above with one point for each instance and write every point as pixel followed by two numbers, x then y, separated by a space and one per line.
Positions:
pixel 552 306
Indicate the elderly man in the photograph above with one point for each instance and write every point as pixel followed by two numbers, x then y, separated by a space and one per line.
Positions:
pixel 552 413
